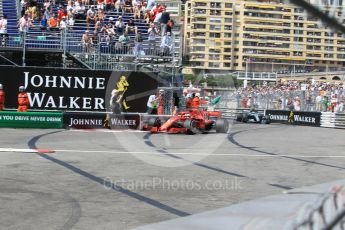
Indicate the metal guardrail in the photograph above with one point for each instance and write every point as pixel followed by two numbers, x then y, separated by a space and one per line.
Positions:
pixel 232 113
pixel 99 53
pixel 327 213
pixel 109 46
pixel 260 76
pixel 328 119
pixel 333 120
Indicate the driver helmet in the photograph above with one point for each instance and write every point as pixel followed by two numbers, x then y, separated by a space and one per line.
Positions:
pixel 1 87
pixel 21 89
pixel 197 94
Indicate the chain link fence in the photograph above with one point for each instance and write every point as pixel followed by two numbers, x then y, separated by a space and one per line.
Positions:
pixel 299 100
pixel 169 98
pixel 327 213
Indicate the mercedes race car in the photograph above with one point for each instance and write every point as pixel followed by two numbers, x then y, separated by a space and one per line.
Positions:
pixel 253 117
pixel 190 122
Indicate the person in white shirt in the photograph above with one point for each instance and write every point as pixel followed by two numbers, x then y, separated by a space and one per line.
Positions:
pixel 70 6
pixel 157 20
pixel 153 33
pixel 297 104
pixel 63 23
pixel 23 25
pixel 70 21
pixel 91 16
pixel 119 26
pixel 3 31
pixel 152 104
pixel 136 8
pixel 166 44
pixel 120 5
pixel 46 4
pixel 318 101
pixel 150 5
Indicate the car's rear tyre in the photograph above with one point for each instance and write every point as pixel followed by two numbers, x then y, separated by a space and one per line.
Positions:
pixel 191 126
pixel 239 117
pixel 154 122
pixel 267 119
pixel 222 126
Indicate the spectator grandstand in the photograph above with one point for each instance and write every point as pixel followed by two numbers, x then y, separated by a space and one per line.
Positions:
pixel 60 26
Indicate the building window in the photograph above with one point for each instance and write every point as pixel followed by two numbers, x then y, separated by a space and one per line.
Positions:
pixel 213 64
pixel 228 5
pixel 215 27
pixel 199 26
pixel 228 20
pixel 227 35
pixel 215 20
pixel 214 35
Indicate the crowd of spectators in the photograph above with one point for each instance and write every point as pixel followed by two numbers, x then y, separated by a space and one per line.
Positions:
pixel 293 95
pixel 3 31
pixel 104 20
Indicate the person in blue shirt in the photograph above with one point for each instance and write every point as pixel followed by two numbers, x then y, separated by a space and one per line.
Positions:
pixel 44 23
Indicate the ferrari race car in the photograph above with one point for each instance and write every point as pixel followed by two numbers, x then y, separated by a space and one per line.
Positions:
pixel 190 122
pixel 253 117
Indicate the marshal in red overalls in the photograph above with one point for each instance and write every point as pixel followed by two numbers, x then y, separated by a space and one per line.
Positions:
pixel 23 100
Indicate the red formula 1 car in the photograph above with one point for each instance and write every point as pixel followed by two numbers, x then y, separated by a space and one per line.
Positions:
pixel 190 122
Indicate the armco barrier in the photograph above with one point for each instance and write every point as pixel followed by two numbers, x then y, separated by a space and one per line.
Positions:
pixel 10 119
pixel 97 120
pixel 124 121
pixel 84 120
pixel 232 113
pixel 333 120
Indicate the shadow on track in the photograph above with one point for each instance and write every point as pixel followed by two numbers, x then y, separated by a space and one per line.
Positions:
pixel 148 142
pixel 103 182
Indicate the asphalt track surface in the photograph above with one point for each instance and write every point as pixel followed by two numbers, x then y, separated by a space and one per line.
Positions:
pixel 122 180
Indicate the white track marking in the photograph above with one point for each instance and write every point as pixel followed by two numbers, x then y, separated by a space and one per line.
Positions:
pixel 168 153
pixel 18 150
pixel 26 150
pixel 202 154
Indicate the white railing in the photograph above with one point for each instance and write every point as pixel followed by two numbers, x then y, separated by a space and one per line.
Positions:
pixel 257 76
pixel 333 120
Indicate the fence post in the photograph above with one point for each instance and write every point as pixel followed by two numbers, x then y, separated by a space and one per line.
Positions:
pixel 64 47
pixel 24 48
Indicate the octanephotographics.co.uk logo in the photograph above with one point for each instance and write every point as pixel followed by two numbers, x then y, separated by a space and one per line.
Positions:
pixel 164 184
pixel 166 150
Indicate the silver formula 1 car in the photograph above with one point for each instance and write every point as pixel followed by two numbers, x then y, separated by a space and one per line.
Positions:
pixel 253 117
